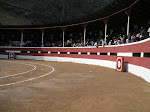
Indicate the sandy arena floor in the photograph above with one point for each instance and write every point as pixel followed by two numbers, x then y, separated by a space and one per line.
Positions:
pixel 30 86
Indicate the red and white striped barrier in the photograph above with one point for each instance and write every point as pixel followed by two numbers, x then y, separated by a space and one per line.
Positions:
pixel 136 55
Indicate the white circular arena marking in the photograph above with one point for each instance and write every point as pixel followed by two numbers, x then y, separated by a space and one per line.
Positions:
pixel 9 84
pixel 18 73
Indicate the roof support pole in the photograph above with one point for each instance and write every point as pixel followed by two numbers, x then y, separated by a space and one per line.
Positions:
pixel 42 38
pixel 128 23
pixel 105 32
pixel 84 26
pixel 84 35
pixel 21 41
pixel 63 38
pixel 42 42
pixel 105 22
pixel 63 29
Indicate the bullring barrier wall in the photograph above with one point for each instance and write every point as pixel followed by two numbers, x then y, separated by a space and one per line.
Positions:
pixel 136 55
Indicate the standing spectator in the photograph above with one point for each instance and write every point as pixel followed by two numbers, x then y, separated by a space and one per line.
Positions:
pixel 148 31
pixel 143 33
pixel 129 38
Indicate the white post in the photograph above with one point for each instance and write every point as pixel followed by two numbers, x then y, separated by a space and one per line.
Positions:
pixel 105 32
pixel 21 39
pixel 42 38
pixel 84 35
pixel 142 54
pixel 128 25
pixel 63 38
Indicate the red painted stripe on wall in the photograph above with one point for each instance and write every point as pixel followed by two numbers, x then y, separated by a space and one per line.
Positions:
pixel 144 62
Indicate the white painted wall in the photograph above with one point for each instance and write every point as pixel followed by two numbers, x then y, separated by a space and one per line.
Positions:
pixel 134 69
pixel 125 54
pixel 3 56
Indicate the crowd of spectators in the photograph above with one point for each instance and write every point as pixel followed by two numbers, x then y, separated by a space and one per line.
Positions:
pixel 114 39
pixel 140 34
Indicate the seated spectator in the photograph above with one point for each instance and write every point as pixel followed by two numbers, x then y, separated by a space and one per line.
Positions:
pixel 138 37
pixel 115 42
pixel 103 43
pixel 74 45
pixel 123 39
pixel 133 38
pixel 119 41
pixel 95 44
pixel 92 43
pixel 110 42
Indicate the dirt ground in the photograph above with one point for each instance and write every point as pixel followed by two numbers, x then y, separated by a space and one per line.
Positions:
pixel 70 88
